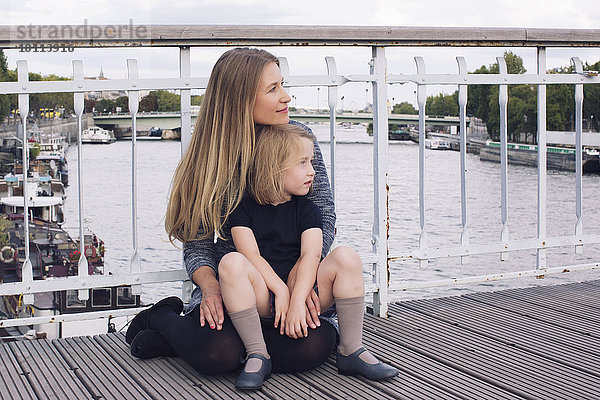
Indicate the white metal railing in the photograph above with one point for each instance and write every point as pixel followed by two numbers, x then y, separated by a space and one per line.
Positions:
pixel 380 79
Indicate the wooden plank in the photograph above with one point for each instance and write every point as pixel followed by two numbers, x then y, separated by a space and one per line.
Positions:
pixel 535 337
pixel 584 312
pixel 11 36
pixel 102 376
pixel 289 386
pixel 466 312
pixel 501 365
pixel 156 377
pixel 585 294
pixel 113 374
pixel 50 371
pixel 73 360
pixel 426 372
pixel 536 312
pixel 35 385
pixel 180 374
pixel 333 385
pixel 13 384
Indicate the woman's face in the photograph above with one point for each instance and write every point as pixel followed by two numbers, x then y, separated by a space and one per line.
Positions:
pixel 270 106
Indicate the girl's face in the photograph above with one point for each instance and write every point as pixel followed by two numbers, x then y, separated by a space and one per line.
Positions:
pixel 299 177
pixel 270 106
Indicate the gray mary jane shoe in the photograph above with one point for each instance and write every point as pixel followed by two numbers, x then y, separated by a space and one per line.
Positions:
pixel 354 365
pixel 254 380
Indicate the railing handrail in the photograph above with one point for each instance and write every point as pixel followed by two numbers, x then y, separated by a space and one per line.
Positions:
pixel 13 36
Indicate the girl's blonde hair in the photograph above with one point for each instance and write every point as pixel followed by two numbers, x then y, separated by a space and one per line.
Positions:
pixel 211 177
pixel 278 147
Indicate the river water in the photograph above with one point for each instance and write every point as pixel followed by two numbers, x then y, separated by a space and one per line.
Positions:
pixel 107 210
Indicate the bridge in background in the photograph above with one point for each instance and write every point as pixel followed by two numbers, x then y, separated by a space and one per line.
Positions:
pixel 172 120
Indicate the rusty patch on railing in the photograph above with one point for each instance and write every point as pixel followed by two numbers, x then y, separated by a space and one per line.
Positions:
pixel 387 231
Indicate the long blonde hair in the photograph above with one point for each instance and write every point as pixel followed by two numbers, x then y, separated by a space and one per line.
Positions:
pixel 278 148
pixel 210 179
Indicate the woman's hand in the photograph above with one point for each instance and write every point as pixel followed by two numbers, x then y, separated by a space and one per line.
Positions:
pixel 313 308
pixel 282 303
pixel 296 325
pixel 211 307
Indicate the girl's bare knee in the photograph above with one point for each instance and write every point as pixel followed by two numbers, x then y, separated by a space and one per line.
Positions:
pixel 347 258
pixel 232 265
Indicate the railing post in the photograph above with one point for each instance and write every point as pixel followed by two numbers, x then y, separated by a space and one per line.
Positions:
pixel 186 98
pixel 421 99
pixel 78 105
pixel 134 101
pixel 332 93
pixel 27 268
pixel 503 100
pixel 578 153
pixel 284 67
pixel 542 154
pixel 186 132
pixel 380 184
pixel 462 103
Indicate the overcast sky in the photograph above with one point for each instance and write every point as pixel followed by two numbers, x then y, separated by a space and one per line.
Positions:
pixel 163 62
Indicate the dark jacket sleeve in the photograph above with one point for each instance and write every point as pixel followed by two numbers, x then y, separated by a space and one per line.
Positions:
pixel 321 194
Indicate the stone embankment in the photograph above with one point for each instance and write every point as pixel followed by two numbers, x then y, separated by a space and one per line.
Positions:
pixel 63 127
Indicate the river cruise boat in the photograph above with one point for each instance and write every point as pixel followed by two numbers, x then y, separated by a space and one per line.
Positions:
pixel 97 135
pixel 559 158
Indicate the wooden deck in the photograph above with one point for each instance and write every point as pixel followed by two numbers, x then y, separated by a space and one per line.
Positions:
pixel 536 343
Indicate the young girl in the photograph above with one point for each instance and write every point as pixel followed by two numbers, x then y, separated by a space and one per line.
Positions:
pixel 278 236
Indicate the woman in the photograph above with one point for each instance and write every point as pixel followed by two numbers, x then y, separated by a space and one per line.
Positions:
pixel 244 90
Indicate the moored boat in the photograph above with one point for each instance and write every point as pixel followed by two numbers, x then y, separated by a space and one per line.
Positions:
pixel 50 155
pixel 399 135
pixel 97 135
pixel 45 196
pixel 559 158
pixel 53 253
pixel 437 144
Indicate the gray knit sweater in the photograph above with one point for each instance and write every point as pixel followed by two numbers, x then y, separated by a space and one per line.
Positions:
pixel 206 252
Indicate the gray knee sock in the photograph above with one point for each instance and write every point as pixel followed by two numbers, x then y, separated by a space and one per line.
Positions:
pixel 350 317
pixel 247 325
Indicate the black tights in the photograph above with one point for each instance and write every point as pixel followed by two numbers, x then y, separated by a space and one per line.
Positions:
pixel 211 352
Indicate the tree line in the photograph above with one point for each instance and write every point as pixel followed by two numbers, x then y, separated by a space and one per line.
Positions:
pixel 522 103
pixel 36 101
pixel 157 100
